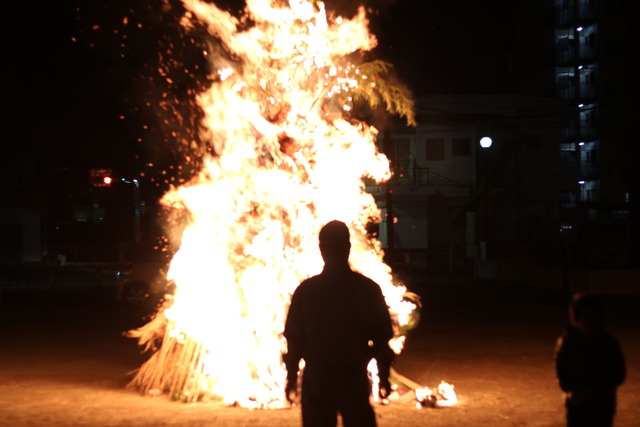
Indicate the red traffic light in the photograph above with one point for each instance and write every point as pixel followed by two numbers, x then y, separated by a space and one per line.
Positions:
pixel 101 177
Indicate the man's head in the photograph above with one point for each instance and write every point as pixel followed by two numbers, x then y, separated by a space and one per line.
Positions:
pixel 586 312
pixel 334 242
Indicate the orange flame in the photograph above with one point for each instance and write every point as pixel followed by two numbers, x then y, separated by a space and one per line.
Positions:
pixel 289 158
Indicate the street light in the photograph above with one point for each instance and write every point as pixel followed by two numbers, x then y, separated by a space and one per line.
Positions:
pixel 485 143
pixel 137 211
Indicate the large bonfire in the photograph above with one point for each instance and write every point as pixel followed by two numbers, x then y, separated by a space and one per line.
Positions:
pixel 288 156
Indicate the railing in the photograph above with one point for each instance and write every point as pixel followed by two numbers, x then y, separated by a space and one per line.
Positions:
pixel 417 179
pixel 586 51
pixel 421 177
pixel 588 169
pixel 578 130
pixel 583 91
pixel 566 55
pixel 569 92
pixel 587 91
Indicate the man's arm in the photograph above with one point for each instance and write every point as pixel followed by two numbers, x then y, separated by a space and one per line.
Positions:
pixel 294 333
pixel 382 333
pixel 616 364
pixel 563 365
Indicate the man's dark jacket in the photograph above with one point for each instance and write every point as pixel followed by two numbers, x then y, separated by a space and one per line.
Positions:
pixel 338 318
pixel 590 362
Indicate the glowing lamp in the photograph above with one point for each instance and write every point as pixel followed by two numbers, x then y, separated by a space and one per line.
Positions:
pixel 485 142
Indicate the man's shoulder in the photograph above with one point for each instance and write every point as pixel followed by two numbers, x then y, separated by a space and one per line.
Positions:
pixel 608 339
pixel 308 283
pixel 351 276
pixel 364 279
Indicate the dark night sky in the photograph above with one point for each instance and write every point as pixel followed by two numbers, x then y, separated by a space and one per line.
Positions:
pixel 451 46
pixel 64 98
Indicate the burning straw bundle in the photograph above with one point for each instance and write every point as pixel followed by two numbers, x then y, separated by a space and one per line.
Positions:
pixel 175 367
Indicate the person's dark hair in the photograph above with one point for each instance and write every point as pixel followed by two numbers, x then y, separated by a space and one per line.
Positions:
pixel 587 308
pixel 581 302
pixel 334 240
pixel 334 233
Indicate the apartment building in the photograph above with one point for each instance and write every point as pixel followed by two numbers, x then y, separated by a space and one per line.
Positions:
pixel 595 67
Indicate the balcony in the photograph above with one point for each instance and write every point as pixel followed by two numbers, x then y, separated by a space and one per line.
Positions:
pixel 583 92
pixel 568 93
pixel 588 91
pixel 422 181
pixel 589 170
pixel 566 55
pixel 579 131
pixel 586 52
pixel 571 56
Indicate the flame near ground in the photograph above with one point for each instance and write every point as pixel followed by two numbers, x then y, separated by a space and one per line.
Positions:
pixel 289 157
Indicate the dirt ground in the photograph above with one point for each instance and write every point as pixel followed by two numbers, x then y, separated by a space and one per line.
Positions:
pixel 64 361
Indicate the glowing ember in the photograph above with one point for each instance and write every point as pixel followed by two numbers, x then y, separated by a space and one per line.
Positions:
pixel 288 158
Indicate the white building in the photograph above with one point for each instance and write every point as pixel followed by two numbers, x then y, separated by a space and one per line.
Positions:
pixel 448 194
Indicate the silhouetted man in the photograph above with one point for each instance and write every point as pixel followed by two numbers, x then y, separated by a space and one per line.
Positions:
pixel 337 322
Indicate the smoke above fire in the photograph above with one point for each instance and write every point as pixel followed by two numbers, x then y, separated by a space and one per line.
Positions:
pixel 286 154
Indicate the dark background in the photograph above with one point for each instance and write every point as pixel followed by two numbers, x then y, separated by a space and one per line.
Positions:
pixel 76 75
pixel 85 85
